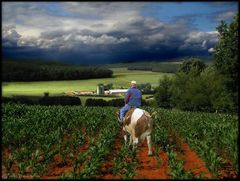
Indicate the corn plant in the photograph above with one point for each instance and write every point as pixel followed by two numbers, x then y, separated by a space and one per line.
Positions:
pixel 123 166
pixel 176 166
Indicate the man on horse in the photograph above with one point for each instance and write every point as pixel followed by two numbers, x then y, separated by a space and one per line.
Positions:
pixel 132 99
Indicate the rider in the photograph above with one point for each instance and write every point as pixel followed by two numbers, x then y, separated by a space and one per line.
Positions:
pixel 132 99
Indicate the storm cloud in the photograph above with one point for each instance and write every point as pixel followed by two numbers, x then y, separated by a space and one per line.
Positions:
pixel 99 32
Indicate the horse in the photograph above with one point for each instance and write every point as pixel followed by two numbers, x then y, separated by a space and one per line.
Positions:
pixel 139 124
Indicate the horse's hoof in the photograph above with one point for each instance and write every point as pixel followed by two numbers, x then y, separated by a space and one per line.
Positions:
pixel 150 154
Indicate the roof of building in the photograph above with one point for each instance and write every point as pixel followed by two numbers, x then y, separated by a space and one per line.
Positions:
pixel 118 90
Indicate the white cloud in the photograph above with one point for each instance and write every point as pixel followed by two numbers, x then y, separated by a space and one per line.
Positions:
pixel 28 41
pixel 10 36
pixel 211 50
pixel 116 10
pixel 204 44
pixel 9 32
pixel 26 31
pixel 225 16
pixel 32 19
pixel 102 40
pixel 200 40
pixel 154 38
pixel 70 41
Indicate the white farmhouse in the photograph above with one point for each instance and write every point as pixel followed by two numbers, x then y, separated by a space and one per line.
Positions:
pixel 117 91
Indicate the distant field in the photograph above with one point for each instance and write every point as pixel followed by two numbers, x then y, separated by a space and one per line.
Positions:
pixel 121 78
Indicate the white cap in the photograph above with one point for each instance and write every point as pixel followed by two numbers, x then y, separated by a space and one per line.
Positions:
pixel 133 82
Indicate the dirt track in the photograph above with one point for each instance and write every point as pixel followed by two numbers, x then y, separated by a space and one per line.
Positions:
pixel 149 166
pixel 152 168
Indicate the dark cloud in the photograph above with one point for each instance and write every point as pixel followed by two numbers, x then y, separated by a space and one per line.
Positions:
pixel 148 42
pixel 10 37
pixel 124 36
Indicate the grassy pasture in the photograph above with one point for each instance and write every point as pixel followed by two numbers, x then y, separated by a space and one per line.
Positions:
pixel 121 78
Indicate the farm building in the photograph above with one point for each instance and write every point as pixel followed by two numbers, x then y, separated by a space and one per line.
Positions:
pixel 115 91
pixel 100 89
pixel 76 93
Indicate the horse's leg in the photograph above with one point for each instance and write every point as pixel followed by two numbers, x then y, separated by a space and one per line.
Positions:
pixel 142 138
pixel 135 141
pixel 131 140
pixel 149 145
pixel 125 138
pixel 124 135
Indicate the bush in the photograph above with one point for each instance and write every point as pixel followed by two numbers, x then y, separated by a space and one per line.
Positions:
pixel 96 102
pixel 163 93
pixel 224 103
pixel 192 93
pixel 196 95
pixel 19 99
pixel 60 100
pixel 145 103
pixel 116 102
pixel 56 100
pixel 221 99
pixel 205 92
pixel 146 88
pixel 6 99
pixel 113 102
pixel 192 66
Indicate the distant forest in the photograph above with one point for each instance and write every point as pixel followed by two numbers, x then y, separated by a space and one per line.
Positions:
pixel 15 70
pixel 171 66
pixel 156 67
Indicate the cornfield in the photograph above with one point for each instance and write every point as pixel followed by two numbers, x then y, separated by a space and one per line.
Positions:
pixel 77 142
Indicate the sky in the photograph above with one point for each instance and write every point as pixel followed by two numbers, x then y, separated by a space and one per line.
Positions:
pixel 112 32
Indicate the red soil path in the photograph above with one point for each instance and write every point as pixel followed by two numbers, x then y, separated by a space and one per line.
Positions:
pixel 192 162
pixel 149 167
pixel 107 165
pixel 5 154
pixel 227 171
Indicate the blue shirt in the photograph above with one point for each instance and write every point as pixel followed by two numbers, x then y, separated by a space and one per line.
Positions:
pixel 133 97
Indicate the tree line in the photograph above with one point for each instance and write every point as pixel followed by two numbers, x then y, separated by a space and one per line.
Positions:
pixel 32 71
pixel 200 87
pixel 155 67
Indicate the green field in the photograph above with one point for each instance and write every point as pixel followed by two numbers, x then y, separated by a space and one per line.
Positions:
pixel 121 78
